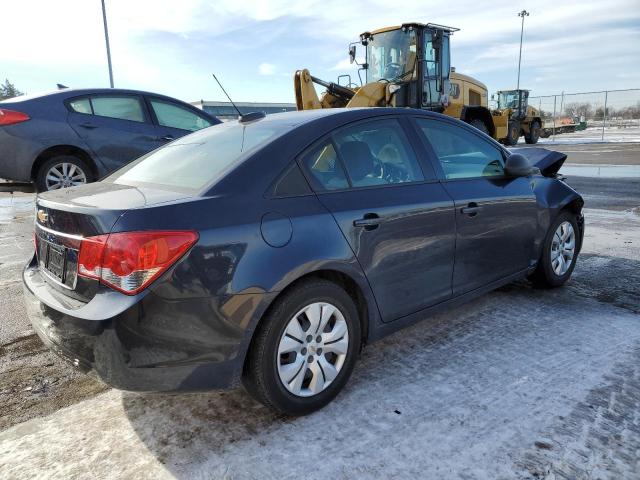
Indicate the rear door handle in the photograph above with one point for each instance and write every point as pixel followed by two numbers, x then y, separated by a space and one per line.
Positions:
pixel 472 209
pixel 89 126
pixel 167 138
pixel 369 221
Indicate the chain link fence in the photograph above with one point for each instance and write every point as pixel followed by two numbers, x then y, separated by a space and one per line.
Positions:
pixel 609 115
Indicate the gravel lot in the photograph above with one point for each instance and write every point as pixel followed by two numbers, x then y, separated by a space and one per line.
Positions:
pixel 521 383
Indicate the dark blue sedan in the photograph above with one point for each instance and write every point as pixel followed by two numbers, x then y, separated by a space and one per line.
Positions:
pixel 75 136
pixel 270 251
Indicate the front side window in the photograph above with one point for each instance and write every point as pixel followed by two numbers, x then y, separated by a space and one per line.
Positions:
pixel 174 116
pixel 124 107
pixel 199 159
pixel 377 153
pixel 461 153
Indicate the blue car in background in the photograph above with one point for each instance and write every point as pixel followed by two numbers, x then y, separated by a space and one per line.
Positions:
pixel 75 136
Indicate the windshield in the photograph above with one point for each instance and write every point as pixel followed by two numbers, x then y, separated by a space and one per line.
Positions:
pixel 199 159
pixel 391 55
pixel 509 99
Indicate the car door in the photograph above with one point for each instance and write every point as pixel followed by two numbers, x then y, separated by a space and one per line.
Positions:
pixel 116 127
pixel 397 218
pixel 496 215
pixel 174 120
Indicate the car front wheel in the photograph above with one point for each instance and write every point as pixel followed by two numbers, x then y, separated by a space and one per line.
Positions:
pixel 559 253
pixel 305 349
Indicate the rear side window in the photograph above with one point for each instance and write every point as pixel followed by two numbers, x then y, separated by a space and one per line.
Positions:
pixel 174 116
pixel 81 105
pixel 325 168
pixel 377 153
pixel 461 153
pixel 124 107
pixel 199 159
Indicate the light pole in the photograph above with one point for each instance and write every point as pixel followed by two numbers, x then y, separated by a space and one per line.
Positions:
pixel 106 39
pixel 522 14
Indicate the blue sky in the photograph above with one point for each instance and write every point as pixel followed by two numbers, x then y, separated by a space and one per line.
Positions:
pixel 255 46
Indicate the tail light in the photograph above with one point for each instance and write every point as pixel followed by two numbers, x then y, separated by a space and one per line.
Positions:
pixel 130 261
pixel 10 117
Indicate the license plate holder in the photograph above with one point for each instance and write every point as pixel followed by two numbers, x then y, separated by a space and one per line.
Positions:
pixel 55 261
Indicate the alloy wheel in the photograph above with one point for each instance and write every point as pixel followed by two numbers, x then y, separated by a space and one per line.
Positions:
pixel 63 175
pixel 312 349
pixel 563 248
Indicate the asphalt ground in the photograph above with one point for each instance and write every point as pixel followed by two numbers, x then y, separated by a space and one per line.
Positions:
pixel 521 383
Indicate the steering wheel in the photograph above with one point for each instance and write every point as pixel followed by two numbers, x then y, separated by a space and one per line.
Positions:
pixel 392 70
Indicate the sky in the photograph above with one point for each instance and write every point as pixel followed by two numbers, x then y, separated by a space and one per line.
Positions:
pixel 254 47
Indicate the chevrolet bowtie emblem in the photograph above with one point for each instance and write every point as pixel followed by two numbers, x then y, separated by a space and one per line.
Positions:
pixel 43 216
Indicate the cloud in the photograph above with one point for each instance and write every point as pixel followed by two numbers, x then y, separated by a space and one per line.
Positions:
pixel 173 47
pixel 266 68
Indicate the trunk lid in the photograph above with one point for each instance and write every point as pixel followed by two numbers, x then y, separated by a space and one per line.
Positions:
pixel 548 161
pixel 65 216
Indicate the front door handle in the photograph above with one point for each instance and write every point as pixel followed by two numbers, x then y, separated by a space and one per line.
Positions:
pixel 89 126
pixel 369 221
pixel 472 209
pixel 167 138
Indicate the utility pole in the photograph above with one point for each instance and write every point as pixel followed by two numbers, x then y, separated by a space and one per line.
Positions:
pixel 522 14
pixel 106 39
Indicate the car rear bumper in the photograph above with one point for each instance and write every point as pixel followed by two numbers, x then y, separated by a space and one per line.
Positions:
pixel 138 348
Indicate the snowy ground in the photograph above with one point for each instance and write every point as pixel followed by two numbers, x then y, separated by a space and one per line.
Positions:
pixel 520 383
pixel 613 134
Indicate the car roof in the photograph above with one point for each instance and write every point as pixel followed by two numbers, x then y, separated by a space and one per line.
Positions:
pixel 73 92
pixel 298 118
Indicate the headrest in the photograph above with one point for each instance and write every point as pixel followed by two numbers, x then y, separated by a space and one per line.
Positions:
pixel 358 159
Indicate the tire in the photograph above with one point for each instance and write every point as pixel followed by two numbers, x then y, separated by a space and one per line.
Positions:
pixel 513 134
pixel 480 125
pixel 534 134
pixel 79 171
pixel 265 366
pixel 546 274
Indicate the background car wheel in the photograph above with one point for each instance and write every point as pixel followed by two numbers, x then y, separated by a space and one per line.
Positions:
pixel 513 134
pixel 559 252
pixel 304 350
pixel 479 124
pixel 534 134
pixel 62 171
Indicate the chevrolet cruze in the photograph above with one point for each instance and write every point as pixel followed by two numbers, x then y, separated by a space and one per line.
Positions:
pixel 269 251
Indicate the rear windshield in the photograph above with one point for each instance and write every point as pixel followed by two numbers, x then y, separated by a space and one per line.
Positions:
pixel 197 160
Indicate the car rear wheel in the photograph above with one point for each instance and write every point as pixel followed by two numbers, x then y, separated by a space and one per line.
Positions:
pixel 559 253
pixel 305 349
pixel 62 171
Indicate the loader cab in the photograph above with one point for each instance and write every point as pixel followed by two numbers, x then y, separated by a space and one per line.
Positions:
pixel 515 100
pixel 415 58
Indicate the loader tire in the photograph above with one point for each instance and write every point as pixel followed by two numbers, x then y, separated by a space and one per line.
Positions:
pixel 512 134
pixel 534 134
pixel 480 125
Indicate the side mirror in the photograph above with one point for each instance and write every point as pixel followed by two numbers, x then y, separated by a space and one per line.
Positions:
pixel 518 166
pixel 352 53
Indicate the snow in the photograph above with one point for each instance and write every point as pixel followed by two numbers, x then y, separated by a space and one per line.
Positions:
pixel 467 394
pixel 612 134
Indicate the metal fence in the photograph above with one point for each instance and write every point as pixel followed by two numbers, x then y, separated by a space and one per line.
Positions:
pixel 612 115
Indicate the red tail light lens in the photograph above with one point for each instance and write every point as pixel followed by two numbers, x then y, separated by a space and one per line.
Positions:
pixel 10 117
pixel 130 261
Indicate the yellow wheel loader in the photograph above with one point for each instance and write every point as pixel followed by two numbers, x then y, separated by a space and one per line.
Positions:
pixel 518 117
pixel 405 66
